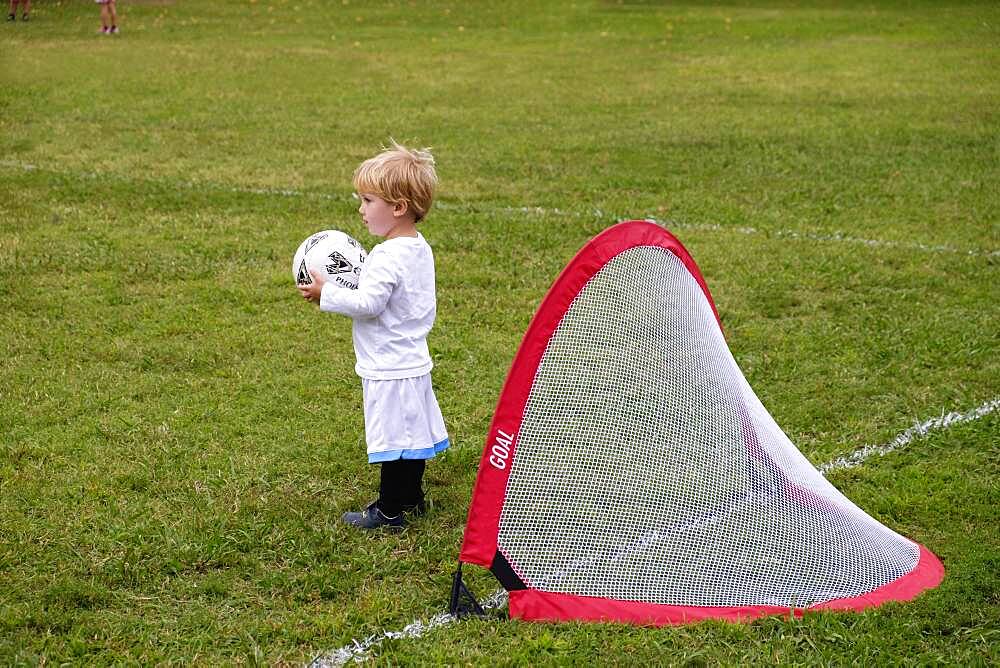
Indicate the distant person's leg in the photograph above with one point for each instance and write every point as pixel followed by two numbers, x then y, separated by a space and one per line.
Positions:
pixel 105 17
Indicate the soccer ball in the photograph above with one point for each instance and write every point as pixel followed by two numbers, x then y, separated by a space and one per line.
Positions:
pixel 332 253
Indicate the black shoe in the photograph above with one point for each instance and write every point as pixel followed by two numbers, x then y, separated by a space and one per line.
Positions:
pixel 24 17
pixel 11 17
pixel 373 518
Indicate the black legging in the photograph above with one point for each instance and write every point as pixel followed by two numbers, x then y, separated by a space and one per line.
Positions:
pixel 400 486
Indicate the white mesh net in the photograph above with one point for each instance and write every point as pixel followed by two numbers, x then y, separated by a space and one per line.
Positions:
pixel 646 469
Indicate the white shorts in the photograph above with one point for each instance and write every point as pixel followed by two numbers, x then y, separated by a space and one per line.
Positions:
pixel 402 419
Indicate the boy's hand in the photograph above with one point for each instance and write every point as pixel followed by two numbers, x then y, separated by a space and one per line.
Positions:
pixel 312 291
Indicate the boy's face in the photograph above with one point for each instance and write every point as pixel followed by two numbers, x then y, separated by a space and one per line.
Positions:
pixel 379 216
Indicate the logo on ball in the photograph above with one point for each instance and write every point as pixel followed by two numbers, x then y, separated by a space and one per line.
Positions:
pixel 340 264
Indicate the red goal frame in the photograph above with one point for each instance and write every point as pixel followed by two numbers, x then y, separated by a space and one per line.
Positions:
pixel 482 527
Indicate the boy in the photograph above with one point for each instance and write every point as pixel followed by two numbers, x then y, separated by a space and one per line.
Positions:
pixel 393 310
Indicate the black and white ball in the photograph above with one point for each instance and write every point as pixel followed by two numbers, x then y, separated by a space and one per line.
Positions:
pixel 331 253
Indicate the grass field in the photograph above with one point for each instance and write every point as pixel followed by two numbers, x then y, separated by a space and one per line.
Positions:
pixel 180 433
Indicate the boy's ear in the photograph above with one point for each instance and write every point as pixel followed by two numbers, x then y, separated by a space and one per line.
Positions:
pixel 400 208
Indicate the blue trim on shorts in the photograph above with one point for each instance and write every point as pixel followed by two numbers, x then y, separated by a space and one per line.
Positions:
pixel 411 453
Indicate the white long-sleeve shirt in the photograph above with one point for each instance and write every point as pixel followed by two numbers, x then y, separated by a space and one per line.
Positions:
pixel 393 309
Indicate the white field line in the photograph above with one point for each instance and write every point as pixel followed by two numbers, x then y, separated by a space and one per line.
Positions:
pixel 833 237
pixel 858 457
pixel 358 651
pixel 595 213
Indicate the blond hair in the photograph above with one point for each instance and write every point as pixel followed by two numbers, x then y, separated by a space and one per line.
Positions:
pixel 399 174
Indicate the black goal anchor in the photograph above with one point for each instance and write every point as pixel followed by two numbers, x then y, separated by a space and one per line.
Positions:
pixel 463 603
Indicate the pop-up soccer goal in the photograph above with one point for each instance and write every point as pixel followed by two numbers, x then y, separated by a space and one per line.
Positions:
pixel 631 474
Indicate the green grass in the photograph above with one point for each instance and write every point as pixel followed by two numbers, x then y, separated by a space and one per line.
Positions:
pixel 179 433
